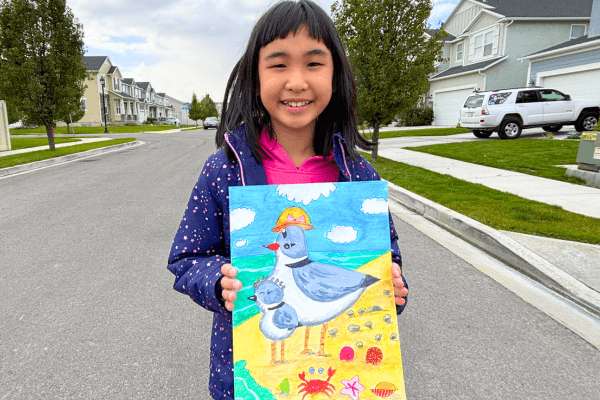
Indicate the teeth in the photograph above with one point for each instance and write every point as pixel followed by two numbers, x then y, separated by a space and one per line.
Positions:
pixel 295 104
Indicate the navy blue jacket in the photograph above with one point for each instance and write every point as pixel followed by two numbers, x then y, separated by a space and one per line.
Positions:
pixel 201 245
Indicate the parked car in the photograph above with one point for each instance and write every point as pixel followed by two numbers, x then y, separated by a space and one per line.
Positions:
pixel 172 121
pixel 509 111
pixel 210 122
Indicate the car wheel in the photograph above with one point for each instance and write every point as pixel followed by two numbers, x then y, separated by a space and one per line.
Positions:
pixel 586 122
pixel 552 128
pixel 510 128
pixel 482 134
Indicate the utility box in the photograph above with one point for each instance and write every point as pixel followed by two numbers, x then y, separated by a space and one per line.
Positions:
pixel 588 156
pixel 4 132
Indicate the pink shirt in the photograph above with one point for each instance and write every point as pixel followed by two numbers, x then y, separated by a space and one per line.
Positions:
pixel 280 168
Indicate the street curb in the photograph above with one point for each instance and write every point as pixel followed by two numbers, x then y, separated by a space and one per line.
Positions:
pixel 17 169
pixel 502 247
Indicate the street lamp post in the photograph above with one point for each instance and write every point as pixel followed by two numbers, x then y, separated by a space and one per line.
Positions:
pixel 103 83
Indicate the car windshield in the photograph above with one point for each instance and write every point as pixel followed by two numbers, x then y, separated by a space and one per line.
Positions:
pixel 474 101
pixel 211 119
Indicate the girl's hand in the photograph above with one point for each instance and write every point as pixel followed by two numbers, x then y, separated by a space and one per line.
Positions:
pixel 229 285
pixel 400 292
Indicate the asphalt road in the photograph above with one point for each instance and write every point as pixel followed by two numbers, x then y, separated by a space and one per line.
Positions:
pixel 88 310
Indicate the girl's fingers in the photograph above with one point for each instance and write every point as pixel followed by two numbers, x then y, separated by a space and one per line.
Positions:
pixel 400 301
pixel 230 284
pixel 228 270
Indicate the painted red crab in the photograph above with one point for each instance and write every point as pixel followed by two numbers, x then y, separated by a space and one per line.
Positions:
pixel 316 385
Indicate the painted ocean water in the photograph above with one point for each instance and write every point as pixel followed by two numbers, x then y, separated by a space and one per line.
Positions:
pixel 250 269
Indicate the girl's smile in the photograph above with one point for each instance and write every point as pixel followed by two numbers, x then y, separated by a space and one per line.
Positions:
pixel 296 79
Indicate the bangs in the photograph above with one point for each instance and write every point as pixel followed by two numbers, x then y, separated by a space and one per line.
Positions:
pixel 287 17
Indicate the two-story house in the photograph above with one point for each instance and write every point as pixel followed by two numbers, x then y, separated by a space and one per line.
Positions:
pixel 486 40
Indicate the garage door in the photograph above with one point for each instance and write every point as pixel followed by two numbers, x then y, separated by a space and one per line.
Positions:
pixel 580 85
pixel 447 105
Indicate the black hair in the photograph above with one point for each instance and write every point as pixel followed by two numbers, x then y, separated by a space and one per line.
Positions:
pixel 242 105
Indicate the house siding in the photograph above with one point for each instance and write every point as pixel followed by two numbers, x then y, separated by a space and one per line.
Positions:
pixel 485 21
pixel 567 61
pixel 524 38
pixel 462 18
pixel 463 80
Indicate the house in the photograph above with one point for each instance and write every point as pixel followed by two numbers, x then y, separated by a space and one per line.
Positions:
pixel 178 110
pixel 486 40
pixel 572 67
pixel 91 101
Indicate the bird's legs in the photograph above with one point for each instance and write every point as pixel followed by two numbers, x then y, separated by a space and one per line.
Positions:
pixel 322 342
pixel 273 352
pixel 282 352
pixel 306 336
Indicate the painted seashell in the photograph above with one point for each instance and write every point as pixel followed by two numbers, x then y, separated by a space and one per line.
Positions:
pixel 347 353
pixel 359 344
pixel 350 313
pixel 354 328
pixel 361 311
pixel 374 356
pixel 332 332
pixel 378 337
pixel 374 309
pixel 384 389
pixel 393 336
pixel 284 387
pixel 387 293
pixel 369 324
pixel 387 318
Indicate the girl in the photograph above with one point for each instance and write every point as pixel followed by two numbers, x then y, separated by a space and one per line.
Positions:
pixel 288 117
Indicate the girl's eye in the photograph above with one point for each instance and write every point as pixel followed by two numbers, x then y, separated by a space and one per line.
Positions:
pixel 278 66
pixel 314 64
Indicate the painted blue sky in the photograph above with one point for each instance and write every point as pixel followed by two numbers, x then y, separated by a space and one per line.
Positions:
pixel 181 46
pixel 345 216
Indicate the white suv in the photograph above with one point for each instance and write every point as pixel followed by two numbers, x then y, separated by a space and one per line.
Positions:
pixel 508 111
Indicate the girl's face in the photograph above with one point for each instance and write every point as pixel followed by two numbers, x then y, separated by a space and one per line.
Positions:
pixel 296 79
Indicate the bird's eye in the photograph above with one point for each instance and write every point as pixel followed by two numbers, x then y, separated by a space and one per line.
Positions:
pixel 286 246
pixel 269 292
pixel 292 244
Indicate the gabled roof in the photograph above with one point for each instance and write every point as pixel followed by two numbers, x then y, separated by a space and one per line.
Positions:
pixel 142 85
pixel 112 69
pixel 468 69
pixel 542 8
pixel 94 63
pixel 160 94
pixel 579 42
pixel 432 32
pixel 127 81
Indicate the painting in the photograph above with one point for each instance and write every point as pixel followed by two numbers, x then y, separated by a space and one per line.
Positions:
pixel 316 317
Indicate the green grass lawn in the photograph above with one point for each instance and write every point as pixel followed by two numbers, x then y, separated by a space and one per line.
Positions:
pixel 492 207
pixel 418 132
pixel 529 156
pixel 24 143
pixel 24 158
pixel 86 130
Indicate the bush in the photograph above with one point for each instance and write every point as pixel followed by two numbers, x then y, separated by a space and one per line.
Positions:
pixel 150 121
pixel 417 116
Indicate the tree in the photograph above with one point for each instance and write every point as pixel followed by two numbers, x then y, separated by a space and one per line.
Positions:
pixel 389 54
pixel 208 108
pixel 71 113
pixel 196 112
pixel 14 115
pixel 41 48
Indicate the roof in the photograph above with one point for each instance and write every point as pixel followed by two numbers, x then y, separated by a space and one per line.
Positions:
pixel 432 32
pixel 127 81
pixel 112 69
pixel 123 95
pixel 160 94
pixel 142 85
pixel 541 8
pixel 93 63
pixel 480 66
pixel 567 44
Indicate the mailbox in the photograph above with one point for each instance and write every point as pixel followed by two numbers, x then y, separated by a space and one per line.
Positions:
pixel 588 156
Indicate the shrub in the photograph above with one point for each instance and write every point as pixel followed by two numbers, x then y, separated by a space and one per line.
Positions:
pixel 417 116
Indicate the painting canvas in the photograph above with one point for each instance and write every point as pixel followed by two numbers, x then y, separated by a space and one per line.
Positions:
pixel 316 316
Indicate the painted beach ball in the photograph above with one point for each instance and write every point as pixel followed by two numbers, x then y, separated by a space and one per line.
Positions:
pixel 384 389
pixel 347 354
pixel 374 356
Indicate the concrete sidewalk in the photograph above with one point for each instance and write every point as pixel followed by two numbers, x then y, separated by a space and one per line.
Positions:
pixel 569 268
pixel 46 147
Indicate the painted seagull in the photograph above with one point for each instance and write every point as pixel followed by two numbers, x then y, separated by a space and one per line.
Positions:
pixel 318 292
pixel 278 320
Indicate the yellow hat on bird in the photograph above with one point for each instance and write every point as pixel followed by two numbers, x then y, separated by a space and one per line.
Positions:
pixel 293 216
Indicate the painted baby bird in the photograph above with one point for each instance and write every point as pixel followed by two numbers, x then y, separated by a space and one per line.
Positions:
pixel 318 292
pixel 278 320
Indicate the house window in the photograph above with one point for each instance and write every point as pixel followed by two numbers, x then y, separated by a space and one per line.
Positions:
pixel 459 51
pixel 83 103
pixel 118 106
pixel 483 44
pixel 577 31
pixel 115 83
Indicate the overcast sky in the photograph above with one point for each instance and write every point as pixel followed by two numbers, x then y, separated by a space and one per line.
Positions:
pixel 181 46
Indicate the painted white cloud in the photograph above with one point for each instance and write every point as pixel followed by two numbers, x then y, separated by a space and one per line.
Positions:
pixel 306 193
pixel 241 243
pixel 342 234
pixel 241 218
pixel 374 206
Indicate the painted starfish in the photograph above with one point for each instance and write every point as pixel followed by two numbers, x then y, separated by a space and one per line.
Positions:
pixel 352 387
